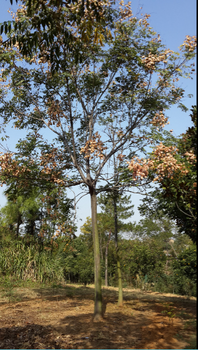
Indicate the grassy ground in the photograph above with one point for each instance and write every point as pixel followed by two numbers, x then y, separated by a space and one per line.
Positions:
pixel 61 317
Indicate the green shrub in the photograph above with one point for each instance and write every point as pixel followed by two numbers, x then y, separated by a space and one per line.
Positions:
pixel 143 260
pixel 78 262
pixel 185 272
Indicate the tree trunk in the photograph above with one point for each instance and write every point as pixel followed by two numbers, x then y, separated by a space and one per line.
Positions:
pixel 101 252
pixel 106 266
pixel 97 269
pixel 106 260
pixel 19 222
pixel 120 294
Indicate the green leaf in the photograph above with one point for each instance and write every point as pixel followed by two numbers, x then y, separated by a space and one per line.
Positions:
pixel 183 107
pixel 19 83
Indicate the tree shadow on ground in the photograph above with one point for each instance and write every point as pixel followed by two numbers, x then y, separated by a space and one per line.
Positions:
pixel 131 297
pixel 117 331
pixel 111 296
pixel 135 299
pixel 67 322
pixel 31 336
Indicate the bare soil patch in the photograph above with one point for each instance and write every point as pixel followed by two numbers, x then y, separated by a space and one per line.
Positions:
pixel 62 318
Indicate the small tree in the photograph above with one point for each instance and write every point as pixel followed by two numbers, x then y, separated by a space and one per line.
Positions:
pixel 141 261
pixel 115 208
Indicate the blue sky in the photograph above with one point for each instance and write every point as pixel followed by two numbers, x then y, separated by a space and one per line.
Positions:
pixel 173 20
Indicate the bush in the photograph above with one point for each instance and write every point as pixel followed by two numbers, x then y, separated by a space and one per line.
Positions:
pixel 78 262
pixel 185 272
pixel 141 262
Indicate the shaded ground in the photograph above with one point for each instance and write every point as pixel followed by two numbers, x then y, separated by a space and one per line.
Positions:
pixel 61 318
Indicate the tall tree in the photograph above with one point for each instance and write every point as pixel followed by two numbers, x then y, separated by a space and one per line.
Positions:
pixel 122 88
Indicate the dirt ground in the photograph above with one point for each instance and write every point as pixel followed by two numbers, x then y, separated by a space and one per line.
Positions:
pixel 62 318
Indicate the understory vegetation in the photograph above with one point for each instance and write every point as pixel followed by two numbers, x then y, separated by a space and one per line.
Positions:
pixel 145 263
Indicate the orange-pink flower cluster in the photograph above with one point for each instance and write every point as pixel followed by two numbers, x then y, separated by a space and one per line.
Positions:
pixel 94 147
pixel 139 167
pixel 162 161
pixel 190 43
pixel 191 157
pixel 159 120
pixel 151 60
pixel 10 166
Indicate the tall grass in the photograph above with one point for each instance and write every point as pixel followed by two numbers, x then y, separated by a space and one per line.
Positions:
pixel 29 262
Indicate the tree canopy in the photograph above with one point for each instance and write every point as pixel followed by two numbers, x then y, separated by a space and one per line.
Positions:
pixel 43 27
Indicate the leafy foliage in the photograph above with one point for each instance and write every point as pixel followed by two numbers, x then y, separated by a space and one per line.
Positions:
pixel 42 28
pixel 36 206
pixel 142 258
pixel 176 195
pixel 79 262
pixel 185 271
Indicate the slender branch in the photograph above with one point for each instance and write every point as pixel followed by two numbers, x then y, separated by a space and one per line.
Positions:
pixel 75 209
pixel 85 194
pixel 105 89
pixel 190 216
pixel 79 94
pixel 71 123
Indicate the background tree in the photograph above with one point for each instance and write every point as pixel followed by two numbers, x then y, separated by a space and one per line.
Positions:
pixel 161 228
pixel 115 85
pixel 40 205
pixel 176 194
pixel 142 261
pixel 115 209
pixel 79 261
